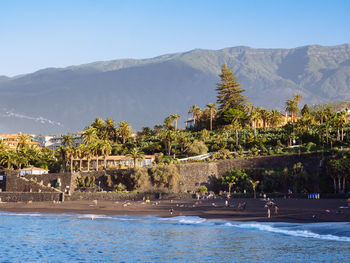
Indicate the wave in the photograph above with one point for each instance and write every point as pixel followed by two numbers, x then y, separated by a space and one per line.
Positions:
pixel 339 231
pixel 300 231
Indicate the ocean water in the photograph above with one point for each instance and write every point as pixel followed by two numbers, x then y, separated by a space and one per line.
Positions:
pixel 35 237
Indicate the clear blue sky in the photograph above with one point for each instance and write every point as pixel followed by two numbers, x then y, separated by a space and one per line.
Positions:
pixel 37 34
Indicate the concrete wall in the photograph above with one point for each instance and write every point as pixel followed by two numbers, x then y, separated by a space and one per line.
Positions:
pixel 195 175
pixel 51 179
pixel 19 184
pixel 25 197
pixel 123 196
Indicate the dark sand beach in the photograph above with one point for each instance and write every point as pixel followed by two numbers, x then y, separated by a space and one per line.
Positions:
pixel 290 210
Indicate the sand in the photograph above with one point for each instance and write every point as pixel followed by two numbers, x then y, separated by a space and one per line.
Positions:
pixel 290 210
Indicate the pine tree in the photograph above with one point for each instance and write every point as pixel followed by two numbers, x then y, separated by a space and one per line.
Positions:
pixel 229 91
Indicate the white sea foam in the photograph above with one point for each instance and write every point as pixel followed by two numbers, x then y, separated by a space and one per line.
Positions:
pixel 189 220
pixel 298 233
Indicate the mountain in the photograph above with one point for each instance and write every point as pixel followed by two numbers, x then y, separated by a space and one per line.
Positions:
pixel 335 106
pixel 144 92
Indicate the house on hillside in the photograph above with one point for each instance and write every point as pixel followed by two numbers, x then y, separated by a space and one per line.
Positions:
pixel 189 123
pixel 55 141
pixel 33 171
pixel 113 162
pixel 12 140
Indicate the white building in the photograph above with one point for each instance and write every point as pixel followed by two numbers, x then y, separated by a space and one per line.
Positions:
pixel 32 170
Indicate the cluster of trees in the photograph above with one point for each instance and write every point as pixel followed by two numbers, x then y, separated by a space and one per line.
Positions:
pixel 25 155
pixel 295 179
pixel 162 178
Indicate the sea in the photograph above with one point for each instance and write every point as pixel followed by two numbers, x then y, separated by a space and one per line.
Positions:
pixel 37 237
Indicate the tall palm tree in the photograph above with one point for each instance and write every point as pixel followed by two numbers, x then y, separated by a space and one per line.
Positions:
pixel 196 113
pixel 236 126
pixel 67 140
pixel 275 118
pixel 297 98
pixel 7 158
pixel 106 149
pixel 213 110
pixel 254 185
pixel 264 114
pixel 168 122
pixel 136 154
pixel 89 135
pixel 95 149
pixel 62 153
pixel 88 152
pixel 254 117
pixel 124 131
pixel 99 124
pixel 24 140
pixel 167 137
pixel 175 118
pixel 292 108
pixel 344 120
pixel 79 153
pixel 328 116
pixel 338 122
pixel 111 130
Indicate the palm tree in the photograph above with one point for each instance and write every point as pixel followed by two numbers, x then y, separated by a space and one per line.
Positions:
pixel 62 153
pixel 292 108
pixel 254 117
pixel 124 131
pixel 339 121
pixel 264 114
pixel 196 113
pixel 275 118
pixel 95 150
pixel 157 129
pixel 110 129
pixel 236 125
pixel 213 110
pixel 297 98
pixel 254 185
pixel 89 135
pixel 99 124
pixel 88 152
pixel 175 118
pixel 67 140
pixel 71 152
pixel 7 158
pixel 168 137
pixel 79 153
pixel 344 120
pixel 24 139
pixel 328 116
pixel 106 149
pixel 136 154
pixel 168 122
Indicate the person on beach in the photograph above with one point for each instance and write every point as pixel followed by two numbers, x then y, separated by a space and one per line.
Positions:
pixel 268 205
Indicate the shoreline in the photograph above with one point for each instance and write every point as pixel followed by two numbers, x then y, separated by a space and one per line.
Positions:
pixel 290 210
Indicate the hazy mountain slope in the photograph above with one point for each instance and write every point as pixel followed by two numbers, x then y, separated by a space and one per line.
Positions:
pixel 144 92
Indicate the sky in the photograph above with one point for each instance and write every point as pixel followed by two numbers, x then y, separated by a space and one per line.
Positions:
pixel 38 34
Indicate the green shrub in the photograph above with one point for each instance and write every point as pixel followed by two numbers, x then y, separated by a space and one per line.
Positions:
pixel 140 178
pixel 197 148
pixel 166 176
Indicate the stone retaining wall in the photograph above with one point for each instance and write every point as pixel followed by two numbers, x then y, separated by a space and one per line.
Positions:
pixel 109 196
pixel 25 197
pixel 195 175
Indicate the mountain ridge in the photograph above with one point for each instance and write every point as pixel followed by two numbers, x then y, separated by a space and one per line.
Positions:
pixel 145 91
